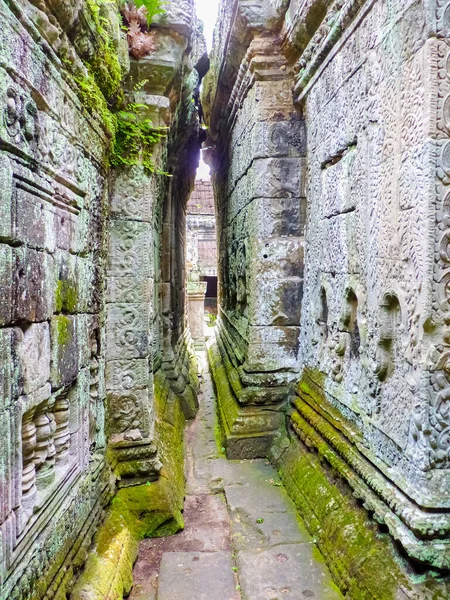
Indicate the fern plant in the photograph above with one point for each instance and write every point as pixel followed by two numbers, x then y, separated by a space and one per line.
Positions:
pixel 152 8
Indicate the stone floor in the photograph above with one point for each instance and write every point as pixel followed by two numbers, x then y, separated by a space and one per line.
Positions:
pixel 243 539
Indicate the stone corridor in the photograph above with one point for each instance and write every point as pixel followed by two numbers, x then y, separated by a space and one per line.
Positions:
pixel 243 537
pixel 325 125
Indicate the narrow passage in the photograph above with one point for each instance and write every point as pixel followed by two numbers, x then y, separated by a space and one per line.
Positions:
pixel 243 539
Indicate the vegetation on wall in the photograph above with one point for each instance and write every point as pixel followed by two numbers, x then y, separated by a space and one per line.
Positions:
pixel 104 64
pixel 132 134
pixel 138 16
pixel 135 138
pixel 149 8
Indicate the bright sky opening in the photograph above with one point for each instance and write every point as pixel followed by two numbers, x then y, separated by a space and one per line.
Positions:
pixel 207 12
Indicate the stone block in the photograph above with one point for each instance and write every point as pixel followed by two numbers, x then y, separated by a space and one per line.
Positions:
pixel 159 68
pixel 177 16
pixel 33 219
pixel 34 353
pixel 274 99
pixel 276 217
pixel 5 463
pixel 280 570
pixel 33 285
pixel 89 282
pixel 127 331
pixel 131 194
pixel 10 366
pixel 279 139
pixel 64 350
pixel 275 301
pixel 6 198
pixel 6 279
pixel 129 289
pixel 127 374
pixel 277 258
pixel 66 282
pixel 65 225
pixel 165 297
pixel 267 178
pixel 128 415
pixel 129 249
pixel 86 325
pixel 199 575
pixel 272 348
pixel 278 177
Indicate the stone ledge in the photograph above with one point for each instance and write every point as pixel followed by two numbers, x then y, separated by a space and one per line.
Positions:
pixel 363 560
pixel 249 430
pixel 423 534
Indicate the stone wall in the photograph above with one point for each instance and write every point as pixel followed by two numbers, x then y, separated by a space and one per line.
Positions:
pixel 328 135
pixel 258 177
pixel 85 253
pixel 201 229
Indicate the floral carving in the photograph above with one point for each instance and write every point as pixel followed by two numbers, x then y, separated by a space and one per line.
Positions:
pixel 20 117
pixel 127 412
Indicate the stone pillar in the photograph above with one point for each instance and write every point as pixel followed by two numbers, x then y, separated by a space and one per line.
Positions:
pixel 258 178
pixel 129 325
pixel 196 291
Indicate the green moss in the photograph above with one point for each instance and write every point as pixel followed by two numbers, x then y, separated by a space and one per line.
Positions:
pixel 133 136
pixel 170 425
pixel 104 64
pixel 138 512
pixel 363 561
pixel 135 139
pixel 63 329
pixel 226 402
pixel 134 514
pixel 66 296
pixel 94 101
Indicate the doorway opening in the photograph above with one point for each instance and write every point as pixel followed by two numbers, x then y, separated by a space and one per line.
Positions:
pixel 201 259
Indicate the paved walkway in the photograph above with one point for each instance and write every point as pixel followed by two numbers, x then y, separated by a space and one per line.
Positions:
pixel 243 539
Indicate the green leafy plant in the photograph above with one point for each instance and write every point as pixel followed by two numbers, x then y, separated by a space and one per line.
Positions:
pixel 212 319
pixel 152 7
pixel 135 138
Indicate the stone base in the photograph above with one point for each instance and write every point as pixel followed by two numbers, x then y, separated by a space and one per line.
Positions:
pixel 60 552
pixel 181 372
pixel 249 430
pixel 364 561
pixel 423 533
pixel 248 447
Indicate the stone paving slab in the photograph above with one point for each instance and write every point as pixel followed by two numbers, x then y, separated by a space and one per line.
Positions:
pixel 237 506
pixel 263 529
pixel 207 523
pixel 207 529
pixel 285 572
pixel 243 472
pixel 255 486
pixel 197 576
